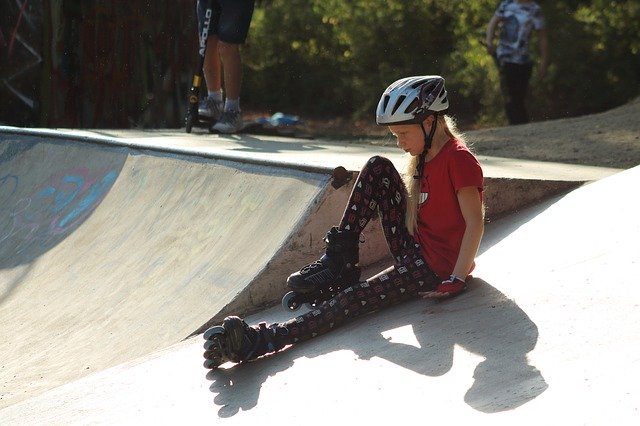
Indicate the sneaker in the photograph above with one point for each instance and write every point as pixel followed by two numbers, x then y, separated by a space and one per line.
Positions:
pixel 209 108
pixel 230 122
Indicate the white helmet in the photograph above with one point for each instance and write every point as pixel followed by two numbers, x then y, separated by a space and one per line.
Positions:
pixel 410 100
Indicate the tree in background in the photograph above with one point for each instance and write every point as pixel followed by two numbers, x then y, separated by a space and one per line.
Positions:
pixel 330 57
pixel 112 64
pixel 333 57
pixel 596 55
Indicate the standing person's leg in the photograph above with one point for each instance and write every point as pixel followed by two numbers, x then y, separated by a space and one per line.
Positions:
pixel 515 81
pixel 211 68
pixel 521 77
pixel 211 106
pixel 235 20
pixel 232 65
pixel 507 84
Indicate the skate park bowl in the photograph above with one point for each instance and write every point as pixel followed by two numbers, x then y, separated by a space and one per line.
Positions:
pixel 119 248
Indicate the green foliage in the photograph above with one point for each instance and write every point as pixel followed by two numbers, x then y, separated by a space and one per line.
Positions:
pixel 292 59
pixel 472 75
pixel 334 57
pixel 614 28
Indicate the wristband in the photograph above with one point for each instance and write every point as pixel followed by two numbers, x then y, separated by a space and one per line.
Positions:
pixel 453 285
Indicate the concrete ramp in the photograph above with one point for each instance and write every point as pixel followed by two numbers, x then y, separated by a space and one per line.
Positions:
pixel 547 334
pixel 108 253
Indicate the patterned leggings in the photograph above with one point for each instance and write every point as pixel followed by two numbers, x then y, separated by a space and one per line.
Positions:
pixel 378 189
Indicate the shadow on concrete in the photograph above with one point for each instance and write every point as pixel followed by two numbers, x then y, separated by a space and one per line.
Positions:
pixel 483 321
pixel 11 284
pixel 238 389
pixel 252 144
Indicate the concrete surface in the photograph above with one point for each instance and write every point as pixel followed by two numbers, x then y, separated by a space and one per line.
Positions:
pixel 314 154
pixel 548 331
pixel 101 246
pixel 510 184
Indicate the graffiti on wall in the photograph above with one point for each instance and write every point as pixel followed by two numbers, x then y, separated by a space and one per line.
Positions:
pixel 56 207
pixel 19 44
pixel 87 64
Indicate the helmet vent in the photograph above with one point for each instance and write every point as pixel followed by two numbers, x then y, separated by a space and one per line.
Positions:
pixel 398 103
pixel 385 102
pixel 413 106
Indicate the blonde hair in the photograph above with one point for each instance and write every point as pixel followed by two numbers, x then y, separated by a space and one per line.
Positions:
pixel 448 124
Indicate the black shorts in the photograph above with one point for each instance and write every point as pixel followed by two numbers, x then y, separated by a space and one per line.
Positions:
pixel 230 19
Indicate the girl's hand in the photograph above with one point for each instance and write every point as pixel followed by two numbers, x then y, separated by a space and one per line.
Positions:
pixel 447 288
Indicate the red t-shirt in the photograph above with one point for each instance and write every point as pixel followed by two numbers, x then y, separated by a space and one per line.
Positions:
pixel 440 221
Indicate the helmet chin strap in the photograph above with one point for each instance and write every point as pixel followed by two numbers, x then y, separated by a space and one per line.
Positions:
pixel 427 145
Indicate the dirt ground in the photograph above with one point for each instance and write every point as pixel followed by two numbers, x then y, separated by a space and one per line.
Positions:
pixel 608 139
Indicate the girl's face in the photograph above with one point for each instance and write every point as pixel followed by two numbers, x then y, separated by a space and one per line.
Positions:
pixel 409 138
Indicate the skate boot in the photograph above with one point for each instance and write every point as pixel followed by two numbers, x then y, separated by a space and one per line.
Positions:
pixel 322 279
pixel 238 342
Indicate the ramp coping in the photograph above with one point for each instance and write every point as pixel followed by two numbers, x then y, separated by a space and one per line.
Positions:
pixel 191 151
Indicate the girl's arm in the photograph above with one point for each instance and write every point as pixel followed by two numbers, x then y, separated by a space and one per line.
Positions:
pixel 473 213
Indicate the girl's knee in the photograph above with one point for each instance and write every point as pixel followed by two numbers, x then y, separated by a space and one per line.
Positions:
pixel 379 160
pixel 377 164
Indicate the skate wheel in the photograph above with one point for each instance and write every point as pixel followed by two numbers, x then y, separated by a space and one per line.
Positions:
pixel 290 302
pixel 213 331
pixel 189 122
pixel 214 347
pixel 211 344
pixel 212 364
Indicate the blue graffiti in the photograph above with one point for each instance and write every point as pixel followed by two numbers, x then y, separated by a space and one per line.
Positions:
pixel 53 209
pixel 95 193
pixel 62 199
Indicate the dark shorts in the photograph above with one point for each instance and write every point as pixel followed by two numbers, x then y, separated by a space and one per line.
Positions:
pixel 230 19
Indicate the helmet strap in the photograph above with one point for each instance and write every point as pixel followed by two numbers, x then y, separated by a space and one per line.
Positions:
pixel 427 145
